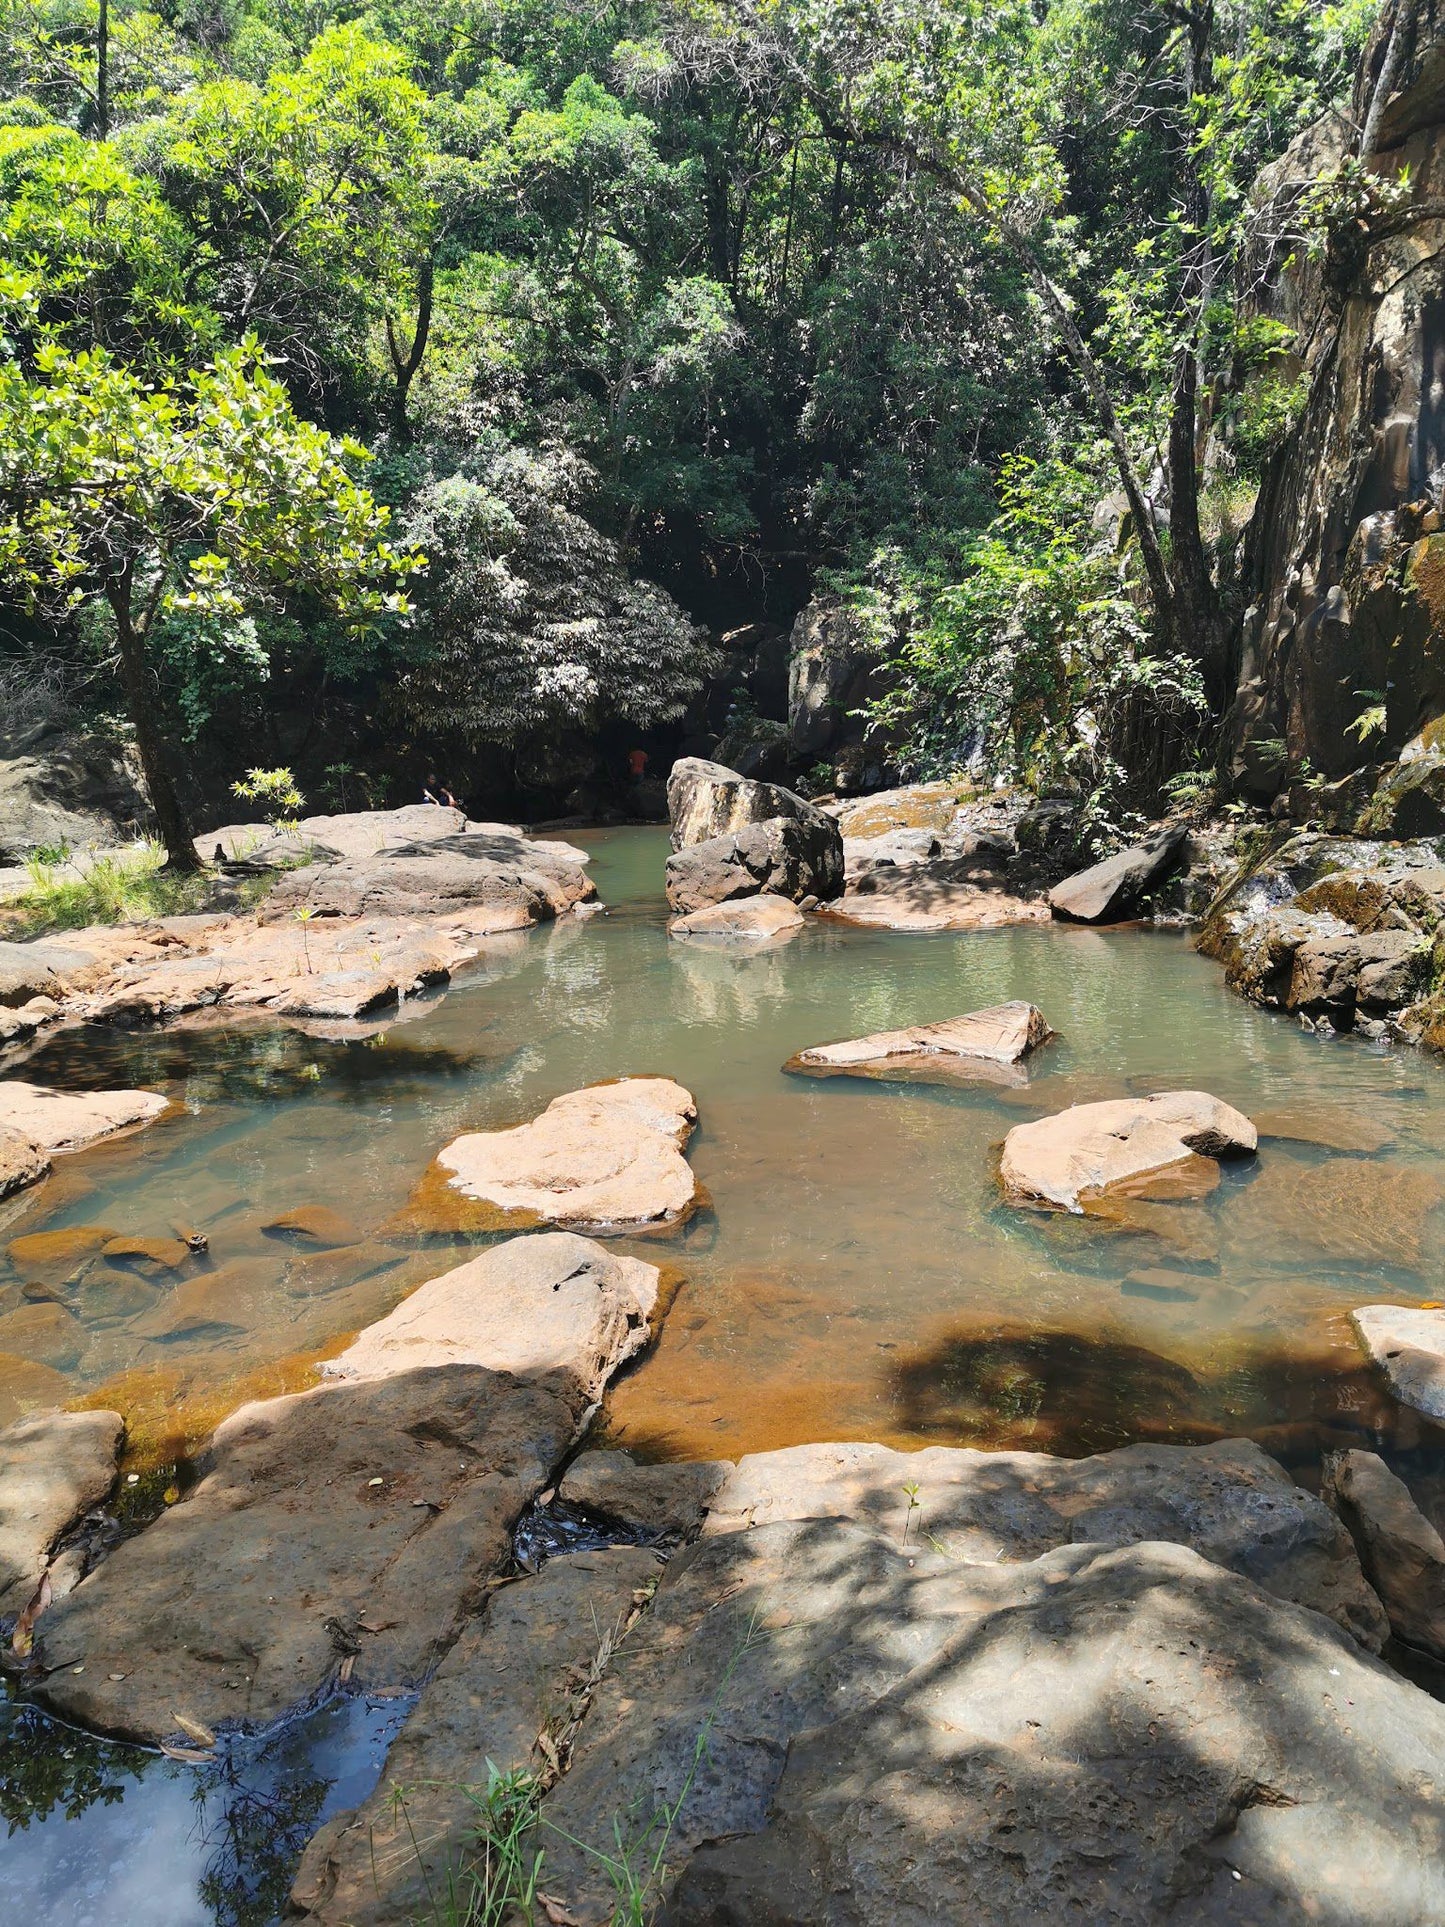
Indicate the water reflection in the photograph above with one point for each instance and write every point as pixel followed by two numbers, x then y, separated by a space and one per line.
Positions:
pixel 854 1223
pixel 102 1832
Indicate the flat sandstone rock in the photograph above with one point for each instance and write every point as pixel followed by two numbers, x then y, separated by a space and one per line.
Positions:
pixel 1409 1348
pixel 749 920
pixel 969 1046
pixel 60 1121
pixel 1093 1149
pixel 604 1158
pixel 941 894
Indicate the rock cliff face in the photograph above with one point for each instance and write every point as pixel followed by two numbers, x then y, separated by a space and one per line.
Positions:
pixel 1344 565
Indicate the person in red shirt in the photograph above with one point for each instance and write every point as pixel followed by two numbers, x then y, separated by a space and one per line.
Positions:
pixel 636 764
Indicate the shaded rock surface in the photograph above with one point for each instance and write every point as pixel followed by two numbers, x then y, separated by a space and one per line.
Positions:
pixel 356 833
pixel 606 1157
pixel 968 1046
pixel 516 1672
pixel 1401 1553
pixel 786 856
pixel 1230 1502
pixel 946 893
pixel 744 921
pixel 668 1501
pixel 1409 1348
pixel 356 1522
pixel 52 1470
pixel 1112 889
pixel 1093 1149
pixel 1129 1735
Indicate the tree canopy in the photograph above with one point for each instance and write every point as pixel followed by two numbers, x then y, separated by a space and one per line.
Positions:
pixel 639 317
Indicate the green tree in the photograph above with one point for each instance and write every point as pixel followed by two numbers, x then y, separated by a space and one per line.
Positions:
pixel 197 496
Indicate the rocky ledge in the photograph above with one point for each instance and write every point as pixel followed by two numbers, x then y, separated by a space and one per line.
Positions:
pixel 348 1530
pixel 1146 1147
pixel 950 1684
pixel 358 929
pixel 37 1125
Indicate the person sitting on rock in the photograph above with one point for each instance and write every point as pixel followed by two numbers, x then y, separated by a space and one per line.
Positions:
pixel 438 793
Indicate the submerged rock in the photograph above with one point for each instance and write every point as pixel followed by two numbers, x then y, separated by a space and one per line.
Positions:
pixel 606 1158
pixel 1129 1144
pixel 52 1470
pixel 357 1522
pixel 975 1045
pixel 1402 1554
pixel 1112 889
pixel 746 920
pixel 1409 1348
pixel 1347 1209
pixel 785 856
pixel 315 1227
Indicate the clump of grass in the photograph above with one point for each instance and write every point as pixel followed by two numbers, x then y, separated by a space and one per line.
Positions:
pixel 126 888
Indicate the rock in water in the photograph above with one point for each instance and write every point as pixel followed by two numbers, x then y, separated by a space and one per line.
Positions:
pixel 944 893
pixel 59 1121
pixel 1093 1149
pixel 706 800
pixel 1409 1348
pixel 1110 889
pixel 604 1158
pixel 520 880
pixel 531 1306
pixel 1402 1554
pixel 785 856
pixel 52 1470
pixel 359 1520
pixel 750 921
pixel 971 1046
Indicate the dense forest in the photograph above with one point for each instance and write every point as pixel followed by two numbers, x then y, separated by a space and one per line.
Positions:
pixel 391 389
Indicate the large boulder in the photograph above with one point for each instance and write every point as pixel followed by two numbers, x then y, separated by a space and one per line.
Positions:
pixel 1408 1345
pixel 66 788
pixel 356 833
pixel 1401 1553
pixel 52 1470
pixel 605 1158
pixel 354 1526
pixel 705 800
pixel 1091 1150
pixel 832 666
pixel 788 856
pixel 981 1044
pixel 1112 889
pixel 1229 1501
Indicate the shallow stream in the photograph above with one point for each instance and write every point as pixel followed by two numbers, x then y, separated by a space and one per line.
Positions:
pixel 854 1277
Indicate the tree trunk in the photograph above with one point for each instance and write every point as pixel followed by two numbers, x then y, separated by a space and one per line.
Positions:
pixel 170 820
pixel 405 366
pixel 102 73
